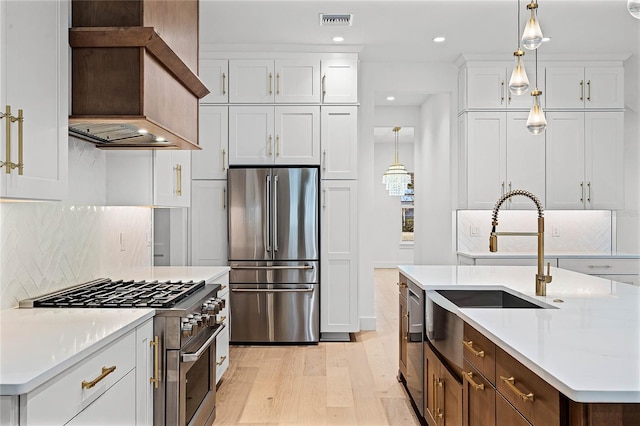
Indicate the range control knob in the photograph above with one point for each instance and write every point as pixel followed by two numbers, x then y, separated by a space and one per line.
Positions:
pixel 186 328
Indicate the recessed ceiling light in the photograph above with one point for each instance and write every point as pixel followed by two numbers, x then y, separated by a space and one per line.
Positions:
pixel 438 39
pixel 391 98
pixel 338 39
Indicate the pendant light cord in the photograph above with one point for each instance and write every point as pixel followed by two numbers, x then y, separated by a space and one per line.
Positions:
pixel 537 69
pixel 518 22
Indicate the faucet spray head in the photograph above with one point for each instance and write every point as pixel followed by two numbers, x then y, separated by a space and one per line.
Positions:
pixel 493 242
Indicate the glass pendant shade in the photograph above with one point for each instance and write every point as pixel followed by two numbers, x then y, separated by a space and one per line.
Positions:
pixel 396 178
pixel 519 82
pixel 536 123
pixel 634 8
pixel 532 35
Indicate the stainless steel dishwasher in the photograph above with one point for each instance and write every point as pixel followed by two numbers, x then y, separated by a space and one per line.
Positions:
pixel 415 345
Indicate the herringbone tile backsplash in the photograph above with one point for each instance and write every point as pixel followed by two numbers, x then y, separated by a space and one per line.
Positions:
pixel 50 246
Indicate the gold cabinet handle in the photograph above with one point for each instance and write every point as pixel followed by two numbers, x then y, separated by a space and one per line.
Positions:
pixel 589 90
pixel 270 83
pixel 502 185
pixel 8 164
pixel 270 151
pixel 222 358
pixel 474 385
pixel 401 285
pixel 406 336
pixel 324 86
pixel 502 92
pixel 277 145
pixel 324 198
pixel 510 382
pixel 222 318
pixel 105 372
pixel 581 192
pixel 588 192
pixel 511 198
pixel 469 345
pixel 156 362
pixel 178 170
pixel 222 287
pixel 224 84
pixel 581 90
pixel 224 200
pixel 224 154
pixel 277 83
pixel 324 159
pixel 20 139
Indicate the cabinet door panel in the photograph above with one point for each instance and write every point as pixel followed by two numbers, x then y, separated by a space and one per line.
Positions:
pixel 339 81
pixel 506 415
pixel 297 81
pixel 565 87
pixel 211 161
pixel 251 81
pixel 251 135
pixel 604 160
pixel 605 87
pixel 215 76
pixel 339 141
pixel 478 402
pixel 486 87
pixel 297 130
pixel 525 161
pixel 486 156
pixel 209 223
pixel 565 160
pixel 451 403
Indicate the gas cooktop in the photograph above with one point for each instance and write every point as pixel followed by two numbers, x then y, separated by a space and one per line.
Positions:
pixel 106 293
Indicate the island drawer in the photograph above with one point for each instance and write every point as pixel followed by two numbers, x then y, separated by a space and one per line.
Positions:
pixel 535 399
pixel 601 266
pixel 64 396
pixel 480 352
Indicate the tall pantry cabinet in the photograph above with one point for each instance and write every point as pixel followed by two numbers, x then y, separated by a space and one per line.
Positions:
pixel 283 109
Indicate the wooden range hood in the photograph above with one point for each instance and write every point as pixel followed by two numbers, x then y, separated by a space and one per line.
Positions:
pixel 130 88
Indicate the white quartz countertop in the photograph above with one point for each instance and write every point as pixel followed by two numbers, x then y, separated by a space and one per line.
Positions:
pixel 38 344
pixel 559 255
pixel 588 348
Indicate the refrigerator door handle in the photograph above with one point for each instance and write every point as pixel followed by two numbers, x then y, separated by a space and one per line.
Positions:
pixel 273 268
pixel 275 213
pixel 273 290
pixel 265 224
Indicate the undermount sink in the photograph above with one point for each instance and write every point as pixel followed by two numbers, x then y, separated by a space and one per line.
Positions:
pixel 488 299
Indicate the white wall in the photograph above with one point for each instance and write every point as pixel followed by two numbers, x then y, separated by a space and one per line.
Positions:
pixel 410 77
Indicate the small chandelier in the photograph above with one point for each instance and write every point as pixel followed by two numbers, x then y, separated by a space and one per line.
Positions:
pixel 396 178
pixel 532 35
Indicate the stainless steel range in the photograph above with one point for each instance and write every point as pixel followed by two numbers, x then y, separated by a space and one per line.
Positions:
pixel 186 324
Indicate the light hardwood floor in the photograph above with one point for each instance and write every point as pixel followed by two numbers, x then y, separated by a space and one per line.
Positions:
pixel 332 383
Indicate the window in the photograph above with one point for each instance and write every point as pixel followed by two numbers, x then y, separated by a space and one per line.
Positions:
pixel 406 202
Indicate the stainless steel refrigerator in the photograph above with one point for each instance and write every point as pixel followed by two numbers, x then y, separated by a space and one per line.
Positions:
pixel 274 255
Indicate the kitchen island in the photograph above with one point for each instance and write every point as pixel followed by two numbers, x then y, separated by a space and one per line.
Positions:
pixel 585 345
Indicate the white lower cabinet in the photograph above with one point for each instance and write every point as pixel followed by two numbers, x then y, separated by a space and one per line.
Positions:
pixel 208 222
pixel 222 341
pixel 339 266
pixel 622 270
pixel 104 388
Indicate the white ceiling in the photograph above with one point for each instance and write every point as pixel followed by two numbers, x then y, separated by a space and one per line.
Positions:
pixel 395 30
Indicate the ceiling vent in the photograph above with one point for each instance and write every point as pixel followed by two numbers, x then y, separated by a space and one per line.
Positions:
pixel 336 19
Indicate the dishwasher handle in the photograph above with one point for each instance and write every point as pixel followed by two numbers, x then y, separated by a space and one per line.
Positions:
pixel 274 268
pixel 273 290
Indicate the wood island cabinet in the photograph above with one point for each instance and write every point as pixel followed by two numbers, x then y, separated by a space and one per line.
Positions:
pixel 403 324
pixel 478 398
pixel 443 392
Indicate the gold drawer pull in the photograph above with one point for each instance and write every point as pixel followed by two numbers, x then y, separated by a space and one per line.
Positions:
pixel 222 318
pixel 222 358
pixel 469 345
pixel 156 363
pixel 222 287
pixel 105 372
pixel 469 377
pixel 510 382
pixel 402 285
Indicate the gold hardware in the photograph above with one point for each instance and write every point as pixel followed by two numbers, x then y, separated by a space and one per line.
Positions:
pixel 178 169
pixel 277 145
pixel 324 198
pixel 502 92
pixel 502 184
pixel 510 200
pixel 224 84
pixel 469 377
pixel 270 83
pixel 224 153
pixel 20 164
pixel 270 152
pixel 277 83
pixel 581 90
pixel 581 192
pixel 510 382
pixel 224 200
pixel 324 86
pixel 589 90
pixel 11 119
pixel 105 372
pixel 324 159
pixel 469 345
pixel 588 192
pixel 222 287
pixel 222 358
pixel 156 363
pixel 401 285
pixel 222 318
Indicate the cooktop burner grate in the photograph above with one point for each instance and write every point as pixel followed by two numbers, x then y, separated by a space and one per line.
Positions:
pixel 122 294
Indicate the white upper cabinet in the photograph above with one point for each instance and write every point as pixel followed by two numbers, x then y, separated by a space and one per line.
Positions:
pixel 208 222
pixel 265 135
pixel 149 178
pixel 584 87
pixel 212 160
pixel 339 81
pixel 585 160
pixel 269 81
pixel 215 76
pixel 501 155
pixel 487 87
pixel 34 100
pixel 339 142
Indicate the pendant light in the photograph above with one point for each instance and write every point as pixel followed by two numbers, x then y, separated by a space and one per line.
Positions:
pixel 532 35
pixel 519 82
pixel 633 6
pixel 396 178
pixel 536 122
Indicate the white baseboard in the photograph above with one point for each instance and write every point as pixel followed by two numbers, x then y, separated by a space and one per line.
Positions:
pixel 367 323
